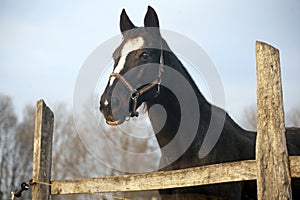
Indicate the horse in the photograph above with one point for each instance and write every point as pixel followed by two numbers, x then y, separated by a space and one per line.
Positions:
pixel 140 77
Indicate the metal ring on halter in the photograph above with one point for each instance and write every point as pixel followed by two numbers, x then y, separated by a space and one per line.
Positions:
pixel 135 95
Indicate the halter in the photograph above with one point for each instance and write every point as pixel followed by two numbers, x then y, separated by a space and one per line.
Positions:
pixel 136 93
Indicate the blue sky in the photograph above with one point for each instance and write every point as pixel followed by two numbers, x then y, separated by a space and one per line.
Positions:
pixel 43 44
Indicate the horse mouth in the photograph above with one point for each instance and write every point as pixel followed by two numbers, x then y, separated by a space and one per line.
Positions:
pixel 112 123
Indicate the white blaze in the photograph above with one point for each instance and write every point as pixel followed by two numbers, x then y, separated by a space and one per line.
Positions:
pixel 130 45
pixel 105 102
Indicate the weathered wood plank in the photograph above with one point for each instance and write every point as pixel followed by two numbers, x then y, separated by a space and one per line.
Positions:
pixel 295 166
pixel 42 152
pixel 219 173
pixel 273 174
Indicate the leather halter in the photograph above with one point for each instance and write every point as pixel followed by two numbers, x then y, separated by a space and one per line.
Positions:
pixel 136 93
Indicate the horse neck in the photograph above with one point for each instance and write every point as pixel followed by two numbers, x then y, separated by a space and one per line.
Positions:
pixel 172 117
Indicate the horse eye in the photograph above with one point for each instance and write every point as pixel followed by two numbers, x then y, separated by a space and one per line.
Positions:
pixel 144 56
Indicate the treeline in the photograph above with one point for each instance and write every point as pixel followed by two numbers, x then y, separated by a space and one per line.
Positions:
pixel 70 158
pixel 16 147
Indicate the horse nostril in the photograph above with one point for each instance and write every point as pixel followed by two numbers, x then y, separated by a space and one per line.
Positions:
pixel 101 108
pixel 115 102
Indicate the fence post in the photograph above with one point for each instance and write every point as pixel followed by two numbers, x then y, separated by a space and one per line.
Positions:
pixel 42 151
pixel 273 173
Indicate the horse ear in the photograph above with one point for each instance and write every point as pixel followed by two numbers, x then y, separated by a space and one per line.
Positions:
pixel 125 22
pixel 151 19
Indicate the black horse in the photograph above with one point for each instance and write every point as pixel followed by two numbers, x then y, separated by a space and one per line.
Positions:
pixel 144 70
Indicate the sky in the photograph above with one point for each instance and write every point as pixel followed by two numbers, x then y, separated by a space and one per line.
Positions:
pixel 43 44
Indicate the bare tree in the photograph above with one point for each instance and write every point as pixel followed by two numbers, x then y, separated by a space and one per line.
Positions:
pixel 249 118
pixel 70 158
pixel 24 138
pixel 8 122
pixel 293 118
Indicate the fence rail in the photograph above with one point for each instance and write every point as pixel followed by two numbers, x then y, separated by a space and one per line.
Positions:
pixel 204 175
pixel 273 181
pixel 210 174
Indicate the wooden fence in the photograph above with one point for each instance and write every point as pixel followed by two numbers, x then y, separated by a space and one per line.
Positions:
pixel 273 168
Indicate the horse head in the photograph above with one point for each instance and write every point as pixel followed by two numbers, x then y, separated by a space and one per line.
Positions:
pixel 138 63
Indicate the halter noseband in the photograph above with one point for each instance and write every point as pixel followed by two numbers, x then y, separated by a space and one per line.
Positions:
pixel 136 93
